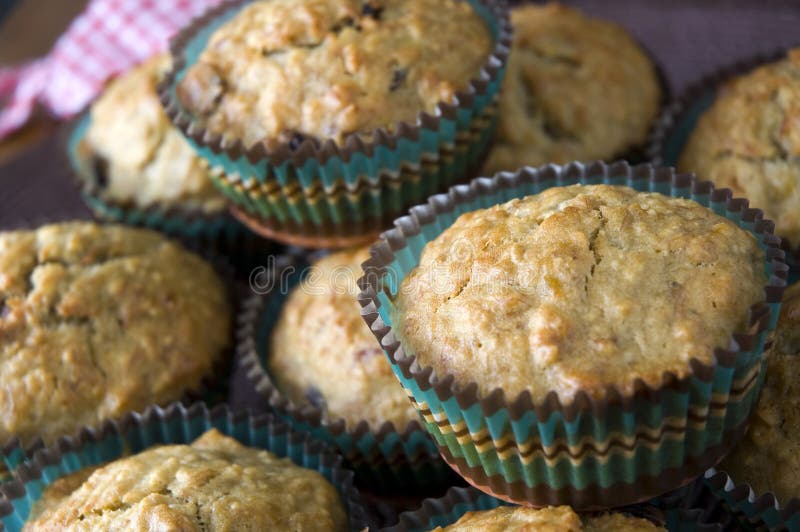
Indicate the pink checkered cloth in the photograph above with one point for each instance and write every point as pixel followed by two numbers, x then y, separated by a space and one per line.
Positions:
pixel 109 37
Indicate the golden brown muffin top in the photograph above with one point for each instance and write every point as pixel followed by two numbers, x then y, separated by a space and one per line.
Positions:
pixel 145 161
pixel 215 483
pixel 322 352
pixel 329 68
pixel 576 88
pixel 774 434
pixel 579 288
pixel 97 321
pixel 749 141
pixel 550 519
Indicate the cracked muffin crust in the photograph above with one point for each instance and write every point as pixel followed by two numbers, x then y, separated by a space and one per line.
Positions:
pixel 283 70
pixel 215 483
pixel 322 352
pixel 576 88
pixel 138 156
pixel 774 434
pixel 749 141
pixel 97 321
pixel 549 519
pixel 578 288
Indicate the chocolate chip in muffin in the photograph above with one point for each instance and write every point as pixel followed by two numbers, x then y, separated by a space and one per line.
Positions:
pixel 4 309
pixel 100 168
pixel 370 10
pixel 399 76
pixel 296 140
pixel 315 397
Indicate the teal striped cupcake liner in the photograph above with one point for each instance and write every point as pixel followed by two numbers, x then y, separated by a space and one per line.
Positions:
pixel 752 512
pixel 319 188
pixel 216 234
pixel 176 424
pixel 675 516
pixel 385 458
pixel 590 454
pixel 678 120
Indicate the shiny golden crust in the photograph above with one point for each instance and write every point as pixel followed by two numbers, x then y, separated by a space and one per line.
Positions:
pixel 550 519
pixel 768 457
pixel 97 321
pixel 576 88
pixel 329 68
pixel 322 351
pixel 749 141
pixel 579 288
pixel 145 160
pixel 213 484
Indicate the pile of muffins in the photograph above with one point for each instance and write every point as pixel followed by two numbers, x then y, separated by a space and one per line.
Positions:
pixel 591 346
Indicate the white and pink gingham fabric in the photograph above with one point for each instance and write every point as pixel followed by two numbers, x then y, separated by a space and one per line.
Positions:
pixel 109 37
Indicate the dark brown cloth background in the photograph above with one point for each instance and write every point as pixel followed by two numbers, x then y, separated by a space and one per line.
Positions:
pixel 687 37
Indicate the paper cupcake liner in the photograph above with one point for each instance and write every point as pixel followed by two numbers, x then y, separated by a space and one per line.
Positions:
pixel 214 234
pixel 447 510
pixel 384 458
pixel 678 120
pixel 590 454
pixel 324 188
pixel 175 424
pixel 751 511
pixel 212 389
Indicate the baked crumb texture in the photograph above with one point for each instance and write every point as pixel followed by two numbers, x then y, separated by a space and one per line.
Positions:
pixel 549 519
pixel 135 155
pixel 97 321
pixel 577 88
pixel 749 141
pixel 215 483
pixel 285 70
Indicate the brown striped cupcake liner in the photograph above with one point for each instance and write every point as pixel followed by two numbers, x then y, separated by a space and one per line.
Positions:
pixel 591 454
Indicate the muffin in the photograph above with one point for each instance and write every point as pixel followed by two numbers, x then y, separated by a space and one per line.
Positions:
pixel 577 88
pixel 323 354
pixel 579 288
pixel 96 321
pixel 749 141
pixel 550 519
pixel 774 435
pixel 287 70
pixel 137 157
pixel 215 483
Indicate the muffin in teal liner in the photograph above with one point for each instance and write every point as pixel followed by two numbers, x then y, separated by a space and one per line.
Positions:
pixel 593 452
pixel 448 509
pixel 100 320
pixel 305 172
pixel 214 233
pixel 745 98
pixel 175 424
pixel 381 441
